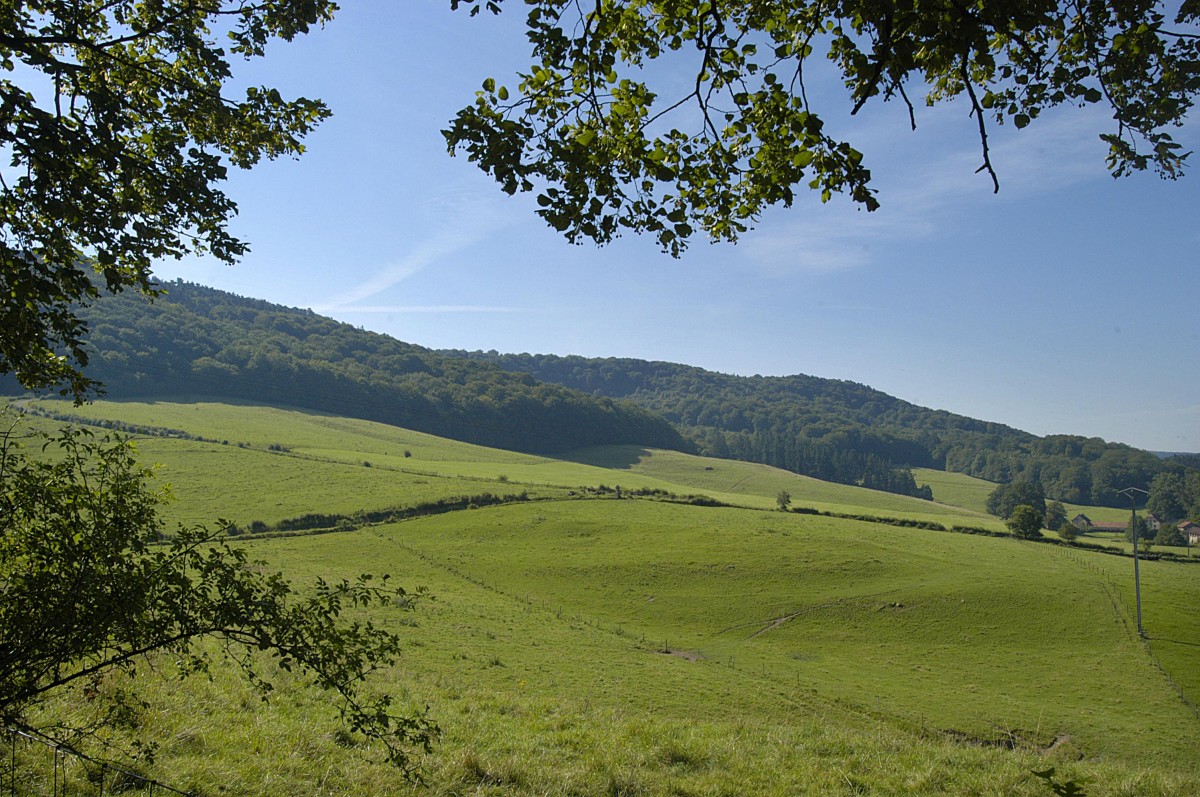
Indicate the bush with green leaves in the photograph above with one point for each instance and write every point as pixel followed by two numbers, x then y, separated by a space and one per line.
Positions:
pixel 1004 500
pixel 1169 534
pixel 92 586
pixel 1056 516
pixel 1025 522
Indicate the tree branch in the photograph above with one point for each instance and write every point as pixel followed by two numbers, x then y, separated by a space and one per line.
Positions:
pixel 882 50
pixel 977 111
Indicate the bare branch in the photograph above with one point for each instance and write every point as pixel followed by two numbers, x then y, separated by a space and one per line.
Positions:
pixel 977 111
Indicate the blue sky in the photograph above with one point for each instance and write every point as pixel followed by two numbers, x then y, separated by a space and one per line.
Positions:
pixel 1068 303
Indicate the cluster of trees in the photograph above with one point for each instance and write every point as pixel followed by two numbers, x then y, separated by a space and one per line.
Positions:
pixel 1025 522
pixel 821 459
pixel 1074 469
pixel 1004 500
pixel 194 340
pixel 1175 495
pixel 1023 506
pixel 847 432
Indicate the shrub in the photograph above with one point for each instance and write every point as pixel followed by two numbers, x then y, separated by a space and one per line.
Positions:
pixel 1026 522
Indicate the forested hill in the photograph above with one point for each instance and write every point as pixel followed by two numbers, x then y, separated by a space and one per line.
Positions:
pixel 200 341
pixel 843 431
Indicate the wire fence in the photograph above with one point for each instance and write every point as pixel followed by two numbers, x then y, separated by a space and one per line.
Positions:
pixel 36 766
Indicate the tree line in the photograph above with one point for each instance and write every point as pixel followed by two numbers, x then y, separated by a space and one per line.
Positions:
pixel 200 341
pixel 848 432
pixel 1173 497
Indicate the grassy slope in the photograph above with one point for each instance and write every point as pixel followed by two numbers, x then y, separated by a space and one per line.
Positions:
pixel 757 485
pixel 956 489
pixel 323 469
pixel 542 656
pixel 968 492
pixel 889 621
pixel 543 659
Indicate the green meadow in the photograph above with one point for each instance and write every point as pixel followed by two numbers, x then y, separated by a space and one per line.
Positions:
pixel 968 492
pixel 324 463
pixel 581 644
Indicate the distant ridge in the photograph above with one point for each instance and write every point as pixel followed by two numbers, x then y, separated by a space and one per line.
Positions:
pixel 198 341
pixel 847 432
pixel 201 342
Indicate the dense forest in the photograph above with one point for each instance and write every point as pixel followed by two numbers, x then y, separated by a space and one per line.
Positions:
pixel 846 432
pixel 196 341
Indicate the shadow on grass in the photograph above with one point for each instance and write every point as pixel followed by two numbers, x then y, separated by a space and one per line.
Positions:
pixel 1173 641
pixel 615 457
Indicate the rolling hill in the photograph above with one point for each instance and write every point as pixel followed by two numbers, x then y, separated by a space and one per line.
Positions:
pixel 199 342
pixel 580 644
pixel 196 341
pixel 846 432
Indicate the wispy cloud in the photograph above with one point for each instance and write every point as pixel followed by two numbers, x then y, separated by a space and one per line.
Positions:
pixel 924 180
pixel 809 247
pixel 428 308
pixel 463 219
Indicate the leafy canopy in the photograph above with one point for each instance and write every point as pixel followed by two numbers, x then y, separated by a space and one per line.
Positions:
pixel 90 589
pixel 1004 500
pixel 1025 522
pixel 118 132
pixel 608 149
pixel 1174 496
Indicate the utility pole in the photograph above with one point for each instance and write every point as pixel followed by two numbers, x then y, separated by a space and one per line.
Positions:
pixel 1137 580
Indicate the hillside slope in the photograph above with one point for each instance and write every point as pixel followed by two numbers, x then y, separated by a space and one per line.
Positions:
pixel 583 645
pixel 247 462
pixel 843 431
pixel 196 341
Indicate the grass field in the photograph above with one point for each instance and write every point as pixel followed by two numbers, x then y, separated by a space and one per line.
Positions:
pixel 887 621
pixel 956 489
pixel 968 492
pixel 324 467
pixel 631 647
pixel 635 647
